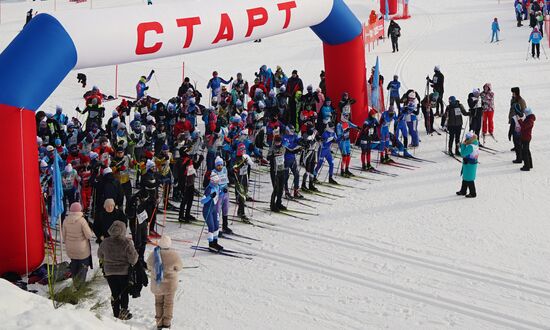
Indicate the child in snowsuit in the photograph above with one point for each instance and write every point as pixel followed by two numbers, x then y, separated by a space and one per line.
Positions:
pixel 166 263
pixel 495 28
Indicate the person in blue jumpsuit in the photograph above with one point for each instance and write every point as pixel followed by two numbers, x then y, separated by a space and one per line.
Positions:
pixel 342 132
pixel 327 138
pixel 208 201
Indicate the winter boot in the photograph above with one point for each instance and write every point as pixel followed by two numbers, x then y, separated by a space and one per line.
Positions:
pixel 297 194
pixel 332 181
pixel 124 314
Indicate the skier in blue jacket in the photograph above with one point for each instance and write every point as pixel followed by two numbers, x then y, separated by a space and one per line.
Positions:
pixel 496 29
pixel 535 38
pixel 209 212
pixel 141 86
pixel 328 138
pixel 394 87
pixel 291 142
pixel 342 132
pixel 215 83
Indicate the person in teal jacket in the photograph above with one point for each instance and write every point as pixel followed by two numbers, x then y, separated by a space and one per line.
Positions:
pixel 535 38
pixel 469 150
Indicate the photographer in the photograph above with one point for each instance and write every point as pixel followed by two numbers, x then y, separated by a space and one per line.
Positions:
pixel 437 83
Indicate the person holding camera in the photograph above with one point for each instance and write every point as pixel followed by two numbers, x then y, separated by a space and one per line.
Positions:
pixel 437 84
pixel 394 32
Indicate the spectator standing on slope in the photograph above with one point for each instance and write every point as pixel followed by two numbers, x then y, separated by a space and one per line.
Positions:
pixel 496 29
pixel 437 82
pixel 526 131
pixel 519 11
pixel 469 150
pixel 394 32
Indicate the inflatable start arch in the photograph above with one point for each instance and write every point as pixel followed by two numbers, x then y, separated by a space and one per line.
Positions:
pixel 49 47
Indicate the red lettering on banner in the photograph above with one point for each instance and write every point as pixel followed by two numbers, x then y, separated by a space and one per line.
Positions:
pixel 287 7
pixel 142 28
pixel 226 29
pixel 253 21
pixel 189 23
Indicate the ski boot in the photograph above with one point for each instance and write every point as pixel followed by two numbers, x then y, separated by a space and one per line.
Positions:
pixel 244 218
pixel 225 226
pixel 332 181
pixel 288 195
pixel 406 154
pixel 281 207
pixel 343 173
pixel 367 167
pixel 297 194
pixel 304 187
pixel 214 246
pixel 312 187
pixel 349 174
pixel 274 208
pixel 315 180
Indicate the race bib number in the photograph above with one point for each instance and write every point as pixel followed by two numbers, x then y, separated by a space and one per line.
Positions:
pixel 457 112
pixel 243 170
pixel 191 170
pixel 280 160
pixel 142 217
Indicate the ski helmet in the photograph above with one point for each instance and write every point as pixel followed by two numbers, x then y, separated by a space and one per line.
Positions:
pixel 218 161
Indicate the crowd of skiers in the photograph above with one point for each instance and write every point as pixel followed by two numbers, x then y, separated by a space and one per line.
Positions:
pixel 150 154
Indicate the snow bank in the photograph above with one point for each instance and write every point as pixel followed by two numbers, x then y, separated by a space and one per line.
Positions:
pixel 25 310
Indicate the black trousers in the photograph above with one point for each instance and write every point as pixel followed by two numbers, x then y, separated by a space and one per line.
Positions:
pixel 119 292
pixel 526 153
pixel 277 181
pixel 394 44
pixel 439 104
pixel 535 50
pixel 454 137
pixel 518 147
pixel 187 195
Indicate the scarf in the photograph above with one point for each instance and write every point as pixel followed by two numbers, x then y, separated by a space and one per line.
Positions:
pixel 159 266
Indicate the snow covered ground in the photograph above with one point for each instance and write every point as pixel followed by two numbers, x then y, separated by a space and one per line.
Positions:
pixel 398 253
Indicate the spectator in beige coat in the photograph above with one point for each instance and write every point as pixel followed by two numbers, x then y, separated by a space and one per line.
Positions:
pixel 77 235
pixel 165 265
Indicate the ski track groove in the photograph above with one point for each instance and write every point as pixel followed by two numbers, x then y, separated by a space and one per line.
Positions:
pixel 430 299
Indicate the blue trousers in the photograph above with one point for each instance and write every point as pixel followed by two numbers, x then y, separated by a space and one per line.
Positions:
pixel 325 154
pixel 495 35
pixel 211 216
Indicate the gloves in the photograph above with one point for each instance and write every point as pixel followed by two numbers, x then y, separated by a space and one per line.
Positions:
pixel 146 88
pixel 213 195
pixel 152 71
pixel 77 109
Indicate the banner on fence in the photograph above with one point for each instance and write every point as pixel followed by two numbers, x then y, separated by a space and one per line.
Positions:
pixel 373 33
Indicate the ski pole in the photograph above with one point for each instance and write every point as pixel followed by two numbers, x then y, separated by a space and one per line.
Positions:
pixel 202 228
pixel 544 50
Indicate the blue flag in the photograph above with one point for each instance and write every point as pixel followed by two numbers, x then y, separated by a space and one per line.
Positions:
pixel 376 86
pixel 386 15
pixel 57 206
